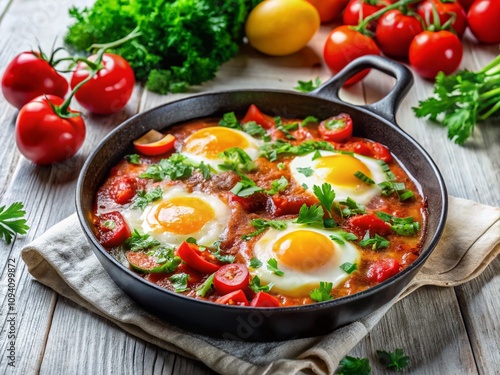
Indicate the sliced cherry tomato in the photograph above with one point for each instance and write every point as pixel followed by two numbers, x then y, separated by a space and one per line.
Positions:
pixel 289 204
pixel 435 51
pixel 254 114
pixel 109 90
pixel 395 31
pixel 362 149
pixel 263 299
pixel 445 10
pixel 196 259
pixel 30 75
pixel 382 269
pixel 359 225
pixel 231 277
pixel 43 136
pixel 253 203
pixel 112 229
pixel 234 298
pixel 336 128
pixel 483 17
pixel 154 143
pixel 344 45
pixel 123 189
pixel 329 10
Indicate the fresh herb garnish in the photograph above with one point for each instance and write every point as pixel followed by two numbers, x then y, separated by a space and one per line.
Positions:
pixel 245 187
pixel 206 287
pixel 272 265
pixel 308 86
pixel 363 177
pixel 306 171
pixel 236 159
pixel 391 187
pixel 254 129
pixel 308 120
pixel 262 224
pixel 143 198
pixel 351 207
pixel 255 263
pixel 166 259
pixel 387 170
pixel 404 226
pixel 396 360
pixel 312 215
pixel 12 221
pixel 256 287
pixel 353 366
pixel 139 241
pixel 278 186
pixel 224 258
pixel 179 282
pixel 281 166
pixel 341 236
pixel 323 293
pixel 271 150
pixel 229 120
pixel 349 267
pixel 376 242
pixel 132 158
pixel 176 167
pixel 286 128
pixel 316 155
pixel 326 196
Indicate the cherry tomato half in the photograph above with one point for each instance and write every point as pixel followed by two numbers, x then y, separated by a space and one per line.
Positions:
pixel 199 260
pixel 483 17
pixel 263 299
pixel 231 277
pixel 123 189
pixel 360 224
pixel 44 137
pixel 154 143
pixel 445 11
pixel 237 297
pixel 395 31
pixel 336 128
pixel 112 229
pixel 27 76
pixel 382 269
pixel 254 114
pixel 432 52
pixel 344 45
pixel 109 90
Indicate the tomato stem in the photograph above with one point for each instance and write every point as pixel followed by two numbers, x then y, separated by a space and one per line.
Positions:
pixel 133 34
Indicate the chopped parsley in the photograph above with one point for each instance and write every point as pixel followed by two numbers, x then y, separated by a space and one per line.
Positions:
pixel 396 360
pixel 143 198
pixel 286 128
pixel 237 160
pixel 229 120
pixel 224 258
pixel 179 282
pixel 132 158
pixel 271 150
pixel 312 215
pixel 404 226
pixel 307 171
pixel 308 86
pixel 351 208
pixel 166 259
pixel 278 186
pixel 176 167
pixel 341 236
pixel 376 242
pixel 254 129
pixel 206 287
pixel 139 241
pixel 399 188
pixel 308 120
pixel 349 267
pixel 262 224
pixel 256 287
pixel 326 196
pixel 255 263
pixel 272 265
pixel 323 293
pixel 245 187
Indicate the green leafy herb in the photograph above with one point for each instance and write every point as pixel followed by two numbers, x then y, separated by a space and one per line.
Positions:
pixel 306 171
pixel 308 86
pixel 12 221
pixel 462 99
pixel 143 198
pixel 271 150
pixel 229 120
pixel 376 242
pixel 192 240
pixel 182 42
pixel 341 236
pixel 349 267
pixel 166 259
pixel 224 258
pixel 323 293
pixel 312 215
pixel 396 360
pixel 281 166
pixel 255 263
pixel 206 287
pixel 286 128
pixel 308 120
pixel 351 207
pixel 387 170
pixel 304 185
pixel 316 155
pixel 110 224
pixel 326 196
pixel 139 241
pixel 354 366
pixel 256 287
pixel 205 170
pixel 399 188
pixel 245 187
pixel 236 159
pixel 262 224
pixel 404 226
pixel 278 186
pixel 363 177
pixel 132 158
pixel 272 265
pixel 179 282
pixel 254 129
pixel 176 167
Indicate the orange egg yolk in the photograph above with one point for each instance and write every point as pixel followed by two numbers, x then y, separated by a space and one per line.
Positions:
pixel 304 250
pixel 341 169
pixel 210 142
pixel 180 215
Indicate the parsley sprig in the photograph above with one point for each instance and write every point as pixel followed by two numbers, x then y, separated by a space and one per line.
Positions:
pixel 323 293
pixel 176 167
pixel 308 86
pixel 237 160
pixel 271 150
pixel 354 366
pixel 272 265
pixel 12 221
pixel 376 242
pixel 396 360
pixel 257 287
pixel 143 198
pixel 139 241
pixel 262 224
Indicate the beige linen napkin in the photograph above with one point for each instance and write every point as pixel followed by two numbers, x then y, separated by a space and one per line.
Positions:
pixel 63 260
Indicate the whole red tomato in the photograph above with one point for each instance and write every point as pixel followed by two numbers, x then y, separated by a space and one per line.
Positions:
pixel 466 4
pixel 445 11
pixel 29 75
pixel 329 10
pixel 344 45
pixel 43 136
pixel 483 18
pixel 357 10
pixel 395 31
pixel 109 90
pixel 435 51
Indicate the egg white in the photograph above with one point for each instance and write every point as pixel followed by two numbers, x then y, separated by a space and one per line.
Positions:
pixel 362 193
pixel 299 282
pixel 143 220
pixel 252 149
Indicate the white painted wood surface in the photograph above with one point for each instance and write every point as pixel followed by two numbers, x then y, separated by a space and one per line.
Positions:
pixel 444 331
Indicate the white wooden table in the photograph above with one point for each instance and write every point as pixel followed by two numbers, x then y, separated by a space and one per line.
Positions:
pixel 444 331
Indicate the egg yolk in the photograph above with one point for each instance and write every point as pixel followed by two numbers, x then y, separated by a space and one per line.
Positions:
pixel 180 215
pixel 304 250
pixel 340 169
pixel 210 142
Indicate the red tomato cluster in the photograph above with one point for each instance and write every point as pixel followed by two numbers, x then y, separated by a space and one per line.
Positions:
pixel 427 33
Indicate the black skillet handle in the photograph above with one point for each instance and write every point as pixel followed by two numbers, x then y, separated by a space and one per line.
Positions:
pixel 385 107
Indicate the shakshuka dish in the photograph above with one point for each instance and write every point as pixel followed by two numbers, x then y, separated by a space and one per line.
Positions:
pixel 261 211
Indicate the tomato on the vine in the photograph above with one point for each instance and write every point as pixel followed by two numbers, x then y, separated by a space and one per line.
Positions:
pixel 356 10
pixel 435 51
pixel 483 17
pixel 395 32
pixel 445 11
pixel 30 75
pixel 329 10
pixel 109 90
pixel 344 45
pixel 45 136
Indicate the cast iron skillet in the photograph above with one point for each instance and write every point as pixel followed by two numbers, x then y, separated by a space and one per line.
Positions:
pixel 375 121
